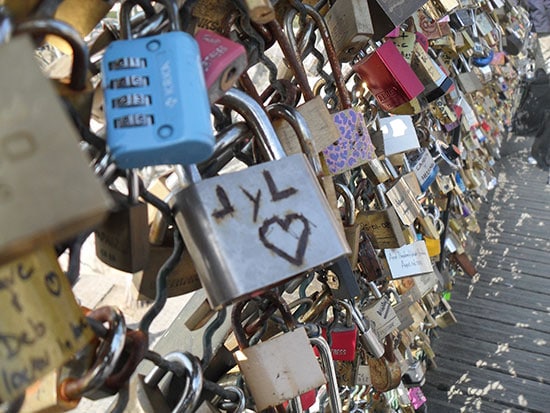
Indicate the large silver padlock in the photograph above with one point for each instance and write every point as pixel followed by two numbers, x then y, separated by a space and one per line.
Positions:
pixel 278 369
pixel 250 230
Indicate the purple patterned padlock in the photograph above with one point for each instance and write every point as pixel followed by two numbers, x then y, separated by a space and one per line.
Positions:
pixel 354 146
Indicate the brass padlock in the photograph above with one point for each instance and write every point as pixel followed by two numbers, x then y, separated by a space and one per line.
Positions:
pixel 30 284
pixel 38 137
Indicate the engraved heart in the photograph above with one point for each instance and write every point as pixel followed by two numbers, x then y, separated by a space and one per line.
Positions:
pixel 277 233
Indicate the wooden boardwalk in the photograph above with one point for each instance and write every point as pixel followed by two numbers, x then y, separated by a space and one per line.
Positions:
pixel 497 357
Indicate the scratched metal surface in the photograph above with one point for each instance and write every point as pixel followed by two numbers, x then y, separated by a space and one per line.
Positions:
pixel 497 358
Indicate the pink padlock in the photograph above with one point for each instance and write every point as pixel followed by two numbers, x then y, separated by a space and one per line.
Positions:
pixel 223 62
pixel 389 77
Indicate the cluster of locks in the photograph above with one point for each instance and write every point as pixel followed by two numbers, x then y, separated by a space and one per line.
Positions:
pixel 310 170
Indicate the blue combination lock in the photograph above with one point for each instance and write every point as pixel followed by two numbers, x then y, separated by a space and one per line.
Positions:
pixel 156 102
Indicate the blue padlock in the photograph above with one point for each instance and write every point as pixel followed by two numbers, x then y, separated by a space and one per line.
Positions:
pixel 156 102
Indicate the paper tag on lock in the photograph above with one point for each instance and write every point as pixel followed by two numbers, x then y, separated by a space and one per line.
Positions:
pixel 34 341
pixel 382 317
pixel 410 259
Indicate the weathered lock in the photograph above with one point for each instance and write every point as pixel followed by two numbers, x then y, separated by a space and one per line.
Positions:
pixel 121 240
pixel 223 61
pixel 37 136
pixel 388 76
pixel 350 26
pixel 30 284
pixel 382 224
pixel 467 79
pixel 351 227
pixel 342 334
pixel 436 82
pixel 405 44
pixel 446 317
pixel 461 19
pixel 314 110
pixel 415 374
pixel 270 211
pixel 156 101
pixel 152 398
pixel 386 14
pixel 368 263
pixel 77 90
pixel 272 373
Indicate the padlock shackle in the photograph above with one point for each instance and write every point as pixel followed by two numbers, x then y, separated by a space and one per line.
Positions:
pixel 330 372
pixel 349 202
pixel 125 21
pixel 299 124
pixel 343 94
pixel 194 379
pixel 81 55
pixel 107 357
pixel 257 119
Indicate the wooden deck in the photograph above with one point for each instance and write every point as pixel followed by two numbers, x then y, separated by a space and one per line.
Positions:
pixel 497 357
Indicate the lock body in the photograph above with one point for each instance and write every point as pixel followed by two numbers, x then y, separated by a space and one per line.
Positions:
pixel 271 211
pixel 389 77
pixel 223 61
pixel 156 105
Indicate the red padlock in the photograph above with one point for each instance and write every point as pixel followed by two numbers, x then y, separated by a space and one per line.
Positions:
pixel 343 335
pixel 223 61
pixel 389 77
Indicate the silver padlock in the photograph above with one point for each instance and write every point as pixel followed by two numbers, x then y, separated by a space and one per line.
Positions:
pixel 253 229
pixel 367 336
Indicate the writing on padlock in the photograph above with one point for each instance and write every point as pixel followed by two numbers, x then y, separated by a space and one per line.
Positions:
pixel 156 101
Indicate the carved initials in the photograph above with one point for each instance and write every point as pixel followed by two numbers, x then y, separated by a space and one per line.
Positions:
pixel 277 195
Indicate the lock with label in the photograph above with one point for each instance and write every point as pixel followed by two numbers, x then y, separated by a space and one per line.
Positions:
pixel 120 241
pixel 341 333
pixel 266 199
pixel 350 27
pixel 223 61
pixel 272 374
pixel 424 168
pixel 156 101
pixel 388 76
pixel 380 313
pixel 38 138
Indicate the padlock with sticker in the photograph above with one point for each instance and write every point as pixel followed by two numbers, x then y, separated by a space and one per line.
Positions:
pixel 156 101
pixel 266 205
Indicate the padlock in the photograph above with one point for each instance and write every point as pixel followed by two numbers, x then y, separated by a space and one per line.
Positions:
pixel 351 227
pixel 385 373
pixel 350 27
pixel 77 90
pixel 223 61
pixel 380 313
pixel 341 335
pixel 382 224
pixel 436 82
pixel 271 373
pixel 460 19
pixel 387 15
pixel 152 398
pixel 367 336
pixel 388 76
pixel 368 263
pixel 467 79
pixel 424 167
pixel 446 317
pixel 121 240
pixel 30 284
pixel 354 146
pixel 35 133
pixel 446 157
pixel 398 134
pixel 266 201
pixel 314 110
pixel 405 44
pixel 156 101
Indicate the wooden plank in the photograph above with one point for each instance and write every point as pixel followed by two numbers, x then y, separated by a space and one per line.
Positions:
pixel 503 313
pixel 494 332
pixel 441 400
pixel 494 386
pixel 532 268
pixel 493 356
pixel 500 249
